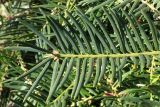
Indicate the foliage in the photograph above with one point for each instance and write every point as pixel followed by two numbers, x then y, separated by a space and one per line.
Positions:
pixel 80 53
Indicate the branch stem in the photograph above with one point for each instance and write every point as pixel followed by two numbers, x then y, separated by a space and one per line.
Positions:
pixel 109 55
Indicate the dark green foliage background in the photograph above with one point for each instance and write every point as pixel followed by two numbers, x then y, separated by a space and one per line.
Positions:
pixel 85 53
